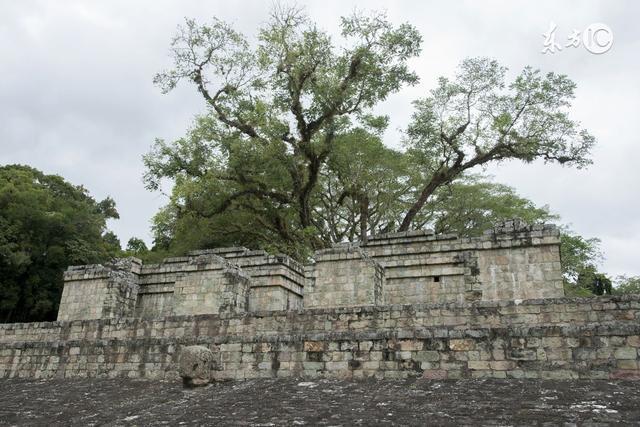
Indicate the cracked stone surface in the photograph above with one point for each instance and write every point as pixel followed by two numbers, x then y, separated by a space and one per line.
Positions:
pixel 274 402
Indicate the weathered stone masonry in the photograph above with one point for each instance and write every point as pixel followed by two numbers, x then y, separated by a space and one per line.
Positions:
pixel 555 338
pixel 512 261
pixel 205 282
pixel 402 304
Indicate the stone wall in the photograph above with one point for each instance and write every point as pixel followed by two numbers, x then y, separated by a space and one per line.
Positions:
pixel 276 281
pixel 198 283
pixel 343 276
pixel 512 261
pixel 342 315
pixel 552 338
pixel 100 291
pixel 209 284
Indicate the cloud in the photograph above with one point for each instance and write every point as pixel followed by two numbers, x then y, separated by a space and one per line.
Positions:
pixel 77 98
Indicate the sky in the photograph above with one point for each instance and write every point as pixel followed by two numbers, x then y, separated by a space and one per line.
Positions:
pixel 77 98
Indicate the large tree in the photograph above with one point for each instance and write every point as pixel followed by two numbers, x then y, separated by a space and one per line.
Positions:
pixel 46 224
pixel 477 118
pixel 363 188
pixel 289 157
pixel 275 108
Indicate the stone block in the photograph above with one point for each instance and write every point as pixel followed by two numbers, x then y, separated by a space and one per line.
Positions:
pixel 560 374
pixel 196 365
pixel 337 366
pixel 625 374
pixel 461 344
pixel 523 354
pixel 427 356
pixel 314 346
pixel 627 364
pixel 478 365
pixel 410 345
pixel 626 353
pixel 633 341
pixel 502 365
pixel 435 374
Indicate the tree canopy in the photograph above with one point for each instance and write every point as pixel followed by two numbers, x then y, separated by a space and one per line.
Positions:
pixel 275 109
pixel 478 118
pixel 627 285
pixel 288 155
pixel 46 224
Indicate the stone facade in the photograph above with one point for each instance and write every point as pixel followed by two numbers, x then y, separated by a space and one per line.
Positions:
pixel 514 261
pixel 399 305
pixel 100 291
pixel 203 282
pixel 546 338
pixel 210 284
pixel 343 276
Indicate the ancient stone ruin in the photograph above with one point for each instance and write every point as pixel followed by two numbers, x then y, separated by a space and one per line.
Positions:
pixel 401 304
pixel 511 262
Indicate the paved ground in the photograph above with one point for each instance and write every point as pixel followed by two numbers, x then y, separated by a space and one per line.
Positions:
pixel 320 402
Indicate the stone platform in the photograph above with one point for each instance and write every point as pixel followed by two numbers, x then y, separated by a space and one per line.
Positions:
pixel 291 402
pixel 563 338
pixel 512 261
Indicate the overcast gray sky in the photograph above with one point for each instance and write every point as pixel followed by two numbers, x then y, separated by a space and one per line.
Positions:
pixel 77 99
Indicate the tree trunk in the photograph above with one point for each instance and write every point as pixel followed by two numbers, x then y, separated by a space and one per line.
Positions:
pixel 364 217
pixel 427 192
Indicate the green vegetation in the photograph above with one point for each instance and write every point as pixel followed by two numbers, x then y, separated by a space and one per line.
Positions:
pixel 627 285
pixel 46 224
pixel 288 155
pixel 579 257
pixel 249 170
